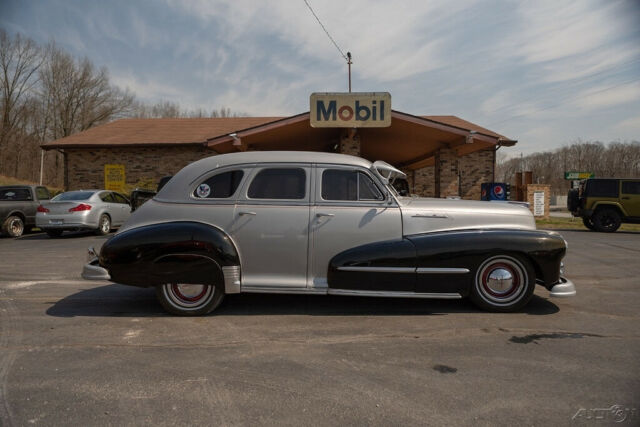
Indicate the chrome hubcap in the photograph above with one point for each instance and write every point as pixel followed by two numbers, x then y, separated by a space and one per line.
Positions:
pixel 16 227
pixel 500 280
pixel 105 225
pixel 188 295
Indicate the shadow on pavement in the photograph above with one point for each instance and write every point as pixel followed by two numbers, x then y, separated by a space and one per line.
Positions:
pixel 65 235
pixel 578 230
pixel 124 301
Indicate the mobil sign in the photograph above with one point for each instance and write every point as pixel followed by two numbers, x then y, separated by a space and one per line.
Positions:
pixel 350 110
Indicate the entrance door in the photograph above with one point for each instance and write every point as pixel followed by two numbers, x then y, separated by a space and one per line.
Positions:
pixel 350 210
pixel 271 227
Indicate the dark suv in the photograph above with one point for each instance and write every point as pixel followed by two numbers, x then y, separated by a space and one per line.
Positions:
pixel 603 204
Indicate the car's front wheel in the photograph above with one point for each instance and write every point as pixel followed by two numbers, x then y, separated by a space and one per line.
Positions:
pixel 503 283
pixel 187 299
pixel 13 226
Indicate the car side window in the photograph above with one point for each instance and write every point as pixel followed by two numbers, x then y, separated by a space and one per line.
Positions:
pixel 602 188
pixel 631 187
pixel 340 184
pixel 42 193
pixel 278 183
pixel 119 198
pixel 107 198
pixel 220 186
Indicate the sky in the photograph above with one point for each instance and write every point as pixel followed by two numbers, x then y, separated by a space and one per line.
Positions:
pixel 546 73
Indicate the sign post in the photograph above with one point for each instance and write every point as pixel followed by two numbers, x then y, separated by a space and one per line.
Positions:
pixel 350 110
pixel 114 177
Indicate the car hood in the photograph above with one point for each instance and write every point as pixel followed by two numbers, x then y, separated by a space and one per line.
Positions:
pixel 424 215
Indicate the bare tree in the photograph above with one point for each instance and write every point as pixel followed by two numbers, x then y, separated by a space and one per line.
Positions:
pixel 20 59
pixel 78 95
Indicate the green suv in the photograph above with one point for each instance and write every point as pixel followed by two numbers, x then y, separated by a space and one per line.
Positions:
pixel 603 204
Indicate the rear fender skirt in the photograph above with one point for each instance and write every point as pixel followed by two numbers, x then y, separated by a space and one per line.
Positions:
pixel 173 252
pixel 469 248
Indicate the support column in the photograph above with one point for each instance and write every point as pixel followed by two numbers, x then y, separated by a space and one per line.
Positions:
pixel 350 142
pixel 424 181
pixel 447 178
pixel 474 169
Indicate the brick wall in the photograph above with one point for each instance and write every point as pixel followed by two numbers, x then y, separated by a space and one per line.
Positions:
pixel 475 168
pixel 86 166
pixel 446 181
pixel 424 181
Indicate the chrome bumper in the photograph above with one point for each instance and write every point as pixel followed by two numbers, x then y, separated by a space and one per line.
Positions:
pixel 93 271
pixel 564 288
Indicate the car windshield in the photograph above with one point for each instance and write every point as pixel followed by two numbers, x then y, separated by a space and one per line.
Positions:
pixel 73 195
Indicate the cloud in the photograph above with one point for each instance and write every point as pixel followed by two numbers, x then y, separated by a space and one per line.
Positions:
pixel 608 96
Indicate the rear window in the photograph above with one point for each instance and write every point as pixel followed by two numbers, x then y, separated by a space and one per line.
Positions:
pixel 631 187
pixel 604 188
pixel 278 183
pixel 221 186
pixel 15 194
pixel 73 195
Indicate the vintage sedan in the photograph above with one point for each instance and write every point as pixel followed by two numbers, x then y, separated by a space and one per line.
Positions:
pixel 97 210
pixel 320 223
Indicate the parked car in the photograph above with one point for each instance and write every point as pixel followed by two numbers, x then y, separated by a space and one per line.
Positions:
pixel 320 223
pixel 18 204
pixel 98 210
pixel 603 204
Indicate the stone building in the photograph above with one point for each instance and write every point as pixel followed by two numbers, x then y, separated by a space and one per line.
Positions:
pixel 442 155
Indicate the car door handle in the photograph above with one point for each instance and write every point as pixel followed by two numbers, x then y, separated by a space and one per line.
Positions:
pixel 320 214
pixel 430 216
pixel 246 213
pixel 625 198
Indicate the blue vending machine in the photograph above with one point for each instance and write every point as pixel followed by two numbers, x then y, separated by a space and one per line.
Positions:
pixel 495 191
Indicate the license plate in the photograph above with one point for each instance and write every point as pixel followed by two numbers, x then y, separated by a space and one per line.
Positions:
pixel 55 221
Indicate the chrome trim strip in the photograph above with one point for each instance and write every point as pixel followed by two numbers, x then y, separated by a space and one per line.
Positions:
pixel 283 290
pixel 393 294
pixel 379 269
pixel 442 270
pixel 231 276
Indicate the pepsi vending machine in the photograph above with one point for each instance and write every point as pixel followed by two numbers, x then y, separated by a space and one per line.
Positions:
pixel 495 191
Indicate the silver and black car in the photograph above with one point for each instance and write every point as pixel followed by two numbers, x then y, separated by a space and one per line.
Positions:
pixel 320 223
pixel 97 210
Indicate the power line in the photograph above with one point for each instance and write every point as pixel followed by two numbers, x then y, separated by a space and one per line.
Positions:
pixel 568 99
pixel 326 32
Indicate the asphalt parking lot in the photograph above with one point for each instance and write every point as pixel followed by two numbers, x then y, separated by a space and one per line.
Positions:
pixel 75 353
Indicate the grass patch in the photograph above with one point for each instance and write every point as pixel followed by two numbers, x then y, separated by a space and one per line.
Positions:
pixel 8 180
pixel 576 224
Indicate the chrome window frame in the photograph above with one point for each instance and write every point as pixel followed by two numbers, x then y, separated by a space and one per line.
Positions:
pixel 231 200
pixel 387 198
pixel 244 199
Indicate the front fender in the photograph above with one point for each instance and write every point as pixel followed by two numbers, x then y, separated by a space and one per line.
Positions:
pixel 172 252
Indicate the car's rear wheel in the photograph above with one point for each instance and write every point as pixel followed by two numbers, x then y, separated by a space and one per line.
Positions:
pixel 13 226
pixel 588 222
pixel 503 283
pixel 54 233
pixel 606 220
pixel 104 225
pixel 187 299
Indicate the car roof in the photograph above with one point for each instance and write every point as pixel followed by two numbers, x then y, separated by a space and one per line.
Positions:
pixel 174 189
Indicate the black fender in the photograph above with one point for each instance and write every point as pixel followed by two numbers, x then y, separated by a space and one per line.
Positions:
pixel 454 250
pixel 171 252
pixel 469 248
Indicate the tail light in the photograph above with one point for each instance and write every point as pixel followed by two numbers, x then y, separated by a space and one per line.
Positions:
pixel 42 209
pixel 81 207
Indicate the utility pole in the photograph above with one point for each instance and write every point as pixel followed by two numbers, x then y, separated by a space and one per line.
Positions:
pixel 349 64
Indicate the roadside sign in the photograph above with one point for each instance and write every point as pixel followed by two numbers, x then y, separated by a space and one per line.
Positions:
pixel 572 175
pixel 350 110
pixel 114 177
